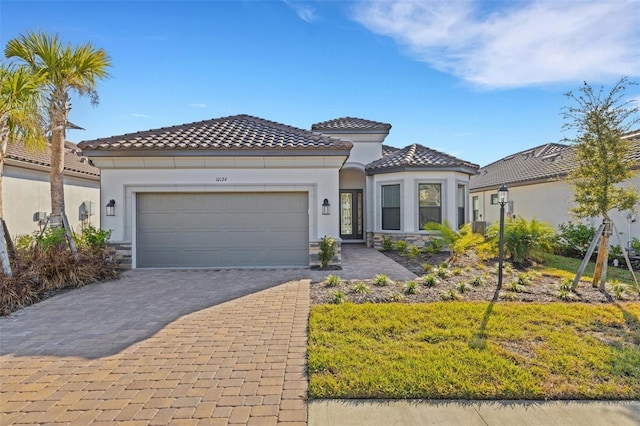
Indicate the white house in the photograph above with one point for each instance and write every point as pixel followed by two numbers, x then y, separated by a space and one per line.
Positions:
pixel 538 189
pixel 242 191
pixel 26 189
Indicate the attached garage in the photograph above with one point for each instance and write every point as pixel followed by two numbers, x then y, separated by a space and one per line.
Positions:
pixel 222 229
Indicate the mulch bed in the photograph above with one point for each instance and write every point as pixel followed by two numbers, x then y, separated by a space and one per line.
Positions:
pixel 458 285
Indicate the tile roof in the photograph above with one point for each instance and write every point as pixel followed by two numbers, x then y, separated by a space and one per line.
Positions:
pixel 74 161
pixel 545 162
pixel 350 123
pixel 388 149
pixel 417 156
pixel 233 133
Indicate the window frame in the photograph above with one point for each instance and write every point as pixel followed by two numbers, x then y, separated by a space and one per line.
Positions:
pixel 443 200
pixel 382 205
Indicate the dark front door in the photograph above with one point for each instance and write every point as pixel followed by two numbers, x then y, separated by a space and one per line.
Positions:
pixel 351 214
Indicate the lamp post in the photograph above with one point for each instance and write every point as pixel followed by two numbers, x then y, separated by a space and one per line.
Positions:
pixel 503 198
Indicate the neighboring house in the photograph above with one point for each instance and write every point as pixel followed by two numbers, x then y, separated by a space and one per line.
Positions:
pixel 26 189
pixel 242 191
pixel 538 189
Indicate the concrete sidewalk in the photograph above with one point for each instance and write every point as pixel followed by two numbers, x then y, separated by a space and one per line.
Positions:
pixel 471 413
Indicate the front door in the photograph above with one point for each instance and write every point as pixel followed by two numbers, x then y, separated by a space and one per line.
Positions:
pixel 351 214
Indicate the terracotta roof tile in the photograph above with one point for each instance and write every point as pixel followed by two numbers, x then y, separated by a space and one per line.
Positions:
pixel 73 160
pixel 238 132
pixel 544 162
pixel 350 123
pixel 418 157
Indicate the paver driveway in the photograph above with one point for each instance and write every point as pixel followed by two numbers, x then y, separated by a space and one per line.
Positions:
pixel 161 347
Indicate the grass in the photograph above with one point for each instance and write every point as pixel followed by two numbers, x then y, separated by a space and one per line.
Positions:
pixel 567 267
pixel 469 350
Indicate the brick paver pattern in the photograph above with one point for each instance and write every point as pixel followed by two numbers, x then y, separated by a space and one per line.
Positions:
pixel 240 362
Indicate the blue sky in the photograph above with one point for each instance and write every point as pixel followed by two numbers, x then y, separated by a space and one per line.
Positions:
pixel 476 79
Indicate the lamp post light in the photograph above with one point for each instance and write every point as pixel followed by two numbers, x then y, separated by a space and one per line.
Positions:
pixel 503 198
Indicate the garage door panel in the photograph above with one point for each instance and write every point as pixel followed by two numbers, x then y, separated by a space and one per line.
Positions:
pixel 222 229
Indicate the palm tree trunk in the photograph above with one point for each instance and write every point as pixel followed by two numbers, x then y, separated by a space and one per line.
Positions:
pixel 4 141
pixel 58 114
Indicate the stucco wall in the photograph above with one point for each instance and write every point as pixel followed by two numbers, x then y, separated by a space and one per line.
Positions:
pixel 550 202
pixel 27 191
pixel 409 196
pixel 123 184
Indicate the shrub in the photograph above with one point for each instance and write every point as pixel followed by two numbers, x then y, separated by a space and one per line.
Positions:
pixel 430 280
pixel 327 250
pixel 433 246
pixel 387 243
pixel 618 288
pixel 523 239
pixel 381 280
pixel 361 288
pixel 615 252
pixel 413 252
pixel 566 284
pixel 339 297
pixel 396 297
pixel 93 238
pixel 462 286
pixel 402 247
pixel 411 287
pixel 635 245
pixel 333 280
pixel 573 239
pixel 442 271
pixel 457 271
pixel 427 267
pixel 449 295
pixel 523 278
pixel 458 242
pixel 51 237
pixel 477 282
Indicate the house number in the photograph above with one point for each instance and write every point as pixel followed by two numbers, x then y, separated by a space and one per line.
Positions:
pixel 221 179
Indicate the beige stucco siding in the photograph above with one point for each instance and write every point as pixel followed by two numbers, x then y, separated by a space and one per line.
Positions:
pixel 122 185
pixel 27 191
pixel 551 202
pixel 409 182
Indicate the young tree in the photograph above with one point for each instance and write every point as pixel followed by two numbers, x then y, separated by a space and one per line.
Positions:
pixel 20 112
pixel 65 69
pixel 601 154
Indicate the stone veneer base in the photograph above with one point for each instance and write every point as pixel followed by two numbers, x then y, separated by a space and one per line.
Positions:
pixel 419 239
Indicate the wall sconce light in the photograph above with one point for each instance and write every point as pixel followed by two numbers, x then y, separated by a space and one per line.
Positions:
pixel 111 208
pixel 325 207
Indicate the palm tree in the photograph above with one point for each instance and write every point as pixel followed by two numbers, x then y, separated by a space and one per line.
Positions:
pixel 20 112
pixel 64 69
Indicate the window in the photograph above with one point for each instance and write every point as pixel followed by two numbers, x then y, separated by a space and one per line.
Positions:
pixel 462 205
pixel 476 208
pixel 494 198
pixel 430 203
pixel 391 207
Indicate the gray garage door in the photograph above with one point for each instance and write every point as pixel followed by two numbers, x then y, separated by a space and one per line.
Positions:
pixel 222 229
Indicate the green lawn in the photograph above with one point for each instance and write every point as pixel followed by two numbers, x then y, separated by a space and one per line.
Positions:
pixel 566 266
pixel 472 350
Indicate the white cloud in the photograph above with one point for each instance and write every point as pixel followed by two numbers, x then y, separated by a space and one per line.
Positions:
pixel 198 105
pixel 513 44
pixel 304 11
pixel 140 115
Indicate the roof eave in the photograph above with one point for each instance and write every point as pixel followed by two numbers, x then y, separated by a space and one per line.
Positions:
pixel 309 152
pixel 461 169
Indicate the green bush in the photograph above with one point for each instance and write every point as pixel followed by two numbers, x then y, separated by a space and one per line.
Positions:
pixel 433 246
pixel 574 239
pixel 327 250
pixel 635 246
pixel 333 281
pixel 93 238
pixel 429 280
pixel 413 252
pixel 402 247
pixel 524 240
pixel 387 243
pixel 52 237
pixel 381 280
pixel 411 287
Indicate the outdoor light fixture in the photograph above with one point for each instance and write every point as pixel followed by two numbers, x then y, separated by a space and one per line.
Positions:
pixel 325 207
pixel 503 198
pixel 111 208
